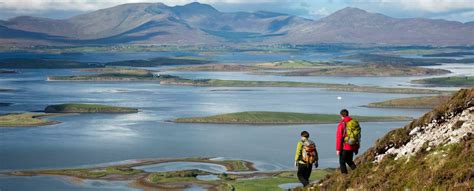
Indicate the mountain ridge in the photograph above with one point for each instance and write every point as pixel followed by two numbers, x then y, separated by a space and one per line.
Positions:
pixel 198 23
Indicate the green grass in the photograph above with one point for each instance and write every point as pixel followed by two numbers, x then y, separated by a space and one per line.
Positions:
pixel 265 117
pixel 466 81
pixel 25 120
pixel 412 102
pixel 93 172
pixel 87 108
pixel 271 183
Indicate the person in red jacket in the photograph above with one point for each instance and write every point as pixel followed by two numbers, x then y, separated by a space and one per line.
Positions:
pixel 344 150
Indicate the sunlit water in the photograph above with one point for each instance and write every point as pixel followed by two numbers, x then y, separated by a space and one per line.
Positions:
pixel 90 139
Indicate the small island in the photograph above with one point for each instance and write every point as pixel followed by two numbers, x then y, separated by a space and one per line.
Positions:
pixel 4 104
pixel 87 108
pixel 7 71
pixel 449 54
pixel 462 81
pixel 110 74
pixel 282 118
pixel 424 102
pixel 6 90
pixel 26 119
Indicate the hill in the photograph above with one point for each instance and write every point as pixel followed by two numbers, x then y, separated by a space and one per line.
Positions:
pixel 434 152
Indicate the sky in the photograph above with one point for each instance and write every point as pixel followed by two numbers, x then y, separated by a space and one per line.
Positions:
pixel 456 10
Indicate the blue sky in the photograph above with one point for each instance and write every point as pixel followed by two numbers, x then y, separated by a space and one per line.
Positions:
pixel 458 10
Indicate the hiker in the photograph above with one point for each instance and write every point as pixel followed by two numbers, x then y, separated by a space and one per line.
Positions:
pixel 347 140
pixel 306 155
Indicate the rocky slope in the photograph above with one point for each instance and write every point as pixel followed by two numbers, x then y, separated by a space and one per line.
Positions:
pixel 434 152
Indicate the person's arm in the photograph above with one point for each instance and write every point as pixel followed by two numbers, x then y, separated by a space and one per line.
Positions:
pixel 339 137
pixel 299 148
pixel 316 164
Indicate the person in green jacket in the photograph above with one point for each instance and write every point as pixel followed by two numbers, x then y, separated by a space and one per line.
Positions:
pixel 306 155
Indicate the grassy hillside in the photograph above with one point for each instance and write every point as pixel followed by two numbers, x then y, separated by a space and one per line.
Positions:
pixel 87 108
pixel 434 152
pixel 265 117
pixel 412 102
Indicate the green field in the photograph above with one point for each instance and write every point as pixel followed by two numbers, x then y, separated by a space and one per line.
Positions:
pixel 265 117
pixel 464 81
pixel 25 120
pixel 271 183
pixel 87 108
pixel 424 102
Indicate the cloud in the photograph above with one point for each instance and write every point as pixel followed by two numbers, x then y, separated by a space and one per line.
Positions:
pixel 447 9
pixel 88 5
pixel 421 5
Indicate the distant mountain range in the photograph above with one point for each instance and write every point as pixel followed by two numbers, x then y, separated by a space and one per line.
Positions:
pixel 201 24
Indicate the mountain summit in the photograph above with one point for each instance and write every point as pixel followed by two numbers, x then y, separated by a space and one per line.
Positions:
pixel 197 23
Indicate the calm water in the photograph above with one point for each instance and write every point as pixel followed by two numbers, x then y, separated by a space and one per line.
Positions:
pixel 89 139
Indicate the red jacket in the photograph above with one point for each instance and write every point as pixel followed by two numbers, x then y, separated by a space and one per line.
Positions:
pixel 340 136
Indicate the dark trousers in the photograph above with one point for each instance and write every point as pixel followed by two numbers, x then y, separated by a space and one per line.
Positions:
pixel 345 157
pixel 304 172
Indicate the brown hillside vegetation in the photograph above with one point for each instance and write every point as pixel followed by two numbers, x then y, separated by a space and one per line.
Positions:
pixel 434 152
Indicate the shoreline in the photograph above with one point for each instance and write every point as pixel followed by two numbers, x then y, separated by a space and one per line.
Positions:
pixel 175 179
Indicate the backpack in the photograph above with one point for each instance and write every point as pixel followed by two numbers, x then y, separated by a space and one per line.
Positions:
pixel 352 132
pixel 308 153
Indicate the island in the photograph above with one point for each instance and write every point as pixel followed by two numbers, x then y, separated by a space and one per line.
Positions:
pixel 87 108
pixel 111 74
pixel 174 80
pixel 282 118
pixel 127 74
pixel 319 68
pixel 26 119
pixel 238 175
pixel 7 71
pixel 456 81
pixel 423 102
pixel 6 90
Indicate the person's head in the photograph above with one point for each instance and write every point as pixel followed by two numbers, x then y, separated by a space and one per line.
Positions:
pixel 344 113
pixel 304 135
